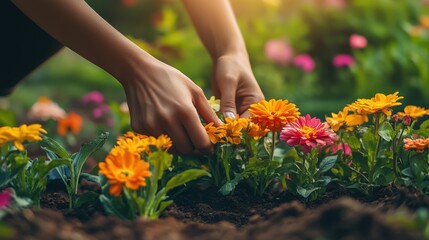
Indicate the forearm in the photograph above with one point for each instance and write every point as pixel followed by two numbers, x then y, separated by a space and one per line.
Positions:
pixel 215 23
pixel 77 26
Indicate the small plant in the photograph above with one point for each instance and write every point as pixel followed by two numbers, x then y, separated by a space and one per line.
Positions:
pixel 70 172
pixel 376 139
pixel 134 180
pixel 28 177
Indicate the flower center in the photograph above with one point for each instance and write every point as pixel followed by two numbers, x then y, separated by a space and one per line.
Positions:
pixel 307 132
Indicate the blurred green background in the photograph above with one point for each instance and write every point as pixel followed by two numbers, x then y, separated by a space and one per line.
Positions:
pixel 394 58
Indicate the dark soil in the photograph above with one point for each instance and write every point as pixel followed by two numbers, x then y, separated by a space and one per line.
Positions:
pixel 205 214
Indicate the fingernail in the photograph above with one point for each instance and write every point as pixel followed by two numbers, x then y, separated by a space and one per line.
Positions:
pixel 229 115
pixel 219 122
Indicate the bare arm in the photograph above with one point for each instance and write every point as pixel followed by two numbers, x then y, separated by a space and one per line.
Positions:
pixel 162 100
pixel 233 81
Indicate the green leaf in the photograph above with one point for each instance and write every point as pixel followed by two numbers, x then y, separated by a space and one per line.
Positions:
pixel 87 197
pixel 353 142
pixel 185 177
pixel 53 148
pixel 90 177
pixel 160 161
pixel 306 192
pixel 386 131
pixel 86 150
pixel 327 163
pixel 162 206
pixel 109 207
pixel 229 186
pixel 46 168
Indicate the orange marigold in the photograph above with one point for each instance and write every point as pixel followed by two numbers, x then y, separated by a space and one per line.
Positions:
pixel 20 134
pixel 255 131
pixel 122 167
pixel 379 102
pixel 72 122
pixel 215 133
pixel 274 114
pixel 413 112
pixel 419 145
pixel 234 128
pixel 133 142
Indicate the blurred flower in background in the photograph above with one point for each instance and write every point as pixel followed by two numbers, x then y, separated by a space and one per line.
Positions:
pixel 338 4
pixel 357 41
pixel 343 60
pixel 305 62
pixel 72 122
pixel 278 51
pixel 94 97
pixel 129 3
pixel 45 109
pixel 5 198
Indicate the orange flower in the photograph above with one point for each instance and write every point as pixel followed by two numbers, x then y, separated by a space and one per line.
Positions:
pixel 413 112
pixel 338 120
pixel 233 129
pixel 72 121
pixel 215 133
pixel 45 109
pixel 255 131
pixel 18 135
pixel 274 114
pixel 122 167
pixel 379 102
pixel 162 142
pixel 356 119
pixel 418 145
pixel 133 142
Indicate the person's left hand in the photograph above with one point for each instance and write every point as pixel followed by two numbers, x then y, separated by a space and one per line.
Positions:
pixel 235 85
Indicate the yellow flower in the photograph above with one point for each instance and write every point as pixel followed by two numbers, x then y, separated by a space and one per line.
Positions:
pixel 122 167
pixel 233 129
pixel 418 145
pixel 139 143
pixel 379 102
pixel 133 142
pixel 424 21
pixel 413 112
pixel 338 119
pixel 214 103
pixel 215 133
pixel 18 135
pixel 356 119
pixel 274 114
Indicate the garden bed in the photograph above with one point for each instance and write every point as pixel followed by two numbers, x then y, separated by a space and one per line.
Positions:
pixel 205 214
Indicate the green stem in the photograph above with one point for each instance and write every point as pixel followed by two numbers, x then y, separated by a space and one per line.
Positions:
pixel 359 173
pixel 273 145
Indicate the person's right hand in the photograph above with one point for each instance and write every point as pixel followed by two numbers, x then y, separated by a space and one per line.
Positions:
pixel 162 100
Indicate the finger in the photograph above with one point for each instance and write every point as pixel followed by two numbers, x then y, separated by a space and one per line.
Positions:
pixel 197 133
pixel 227 101
pixel 205 110
pixel 181 142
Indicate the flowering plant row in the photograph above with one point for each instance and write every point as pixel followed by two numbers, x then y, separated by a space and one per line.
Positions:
pixel 362 146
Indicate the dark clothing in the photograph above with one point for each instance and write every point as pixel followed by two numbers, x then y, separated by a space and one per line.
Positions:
pixel 23 46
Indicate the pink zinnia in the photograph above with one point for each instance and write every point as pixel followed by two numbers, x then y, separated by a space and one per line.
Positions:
pixel 309 133
pixel 278 51
pixel 5 198
pixel 343 60
pixel 343 147
pixel 93 97
pixel 357 41
pixel 305 62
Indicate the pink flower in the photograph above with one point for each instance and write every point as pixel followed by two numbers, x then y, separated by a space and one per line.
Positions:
pixel 5 198
pixel 100 110
pixel 278 51
pixel 343 60
pixel 309 133
pixel 357 41
pixel 343 147
pixel 339 4
pixel 93 97
pixel 45 109
pixel 305 62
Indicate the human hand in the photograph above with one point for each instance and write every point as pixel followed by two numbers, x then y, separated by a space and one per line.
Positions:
pixel 234 83
pixel 162 100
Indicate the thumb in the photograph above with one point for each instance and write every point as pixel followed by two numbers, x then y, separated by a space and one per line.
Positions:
pixel 227 101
